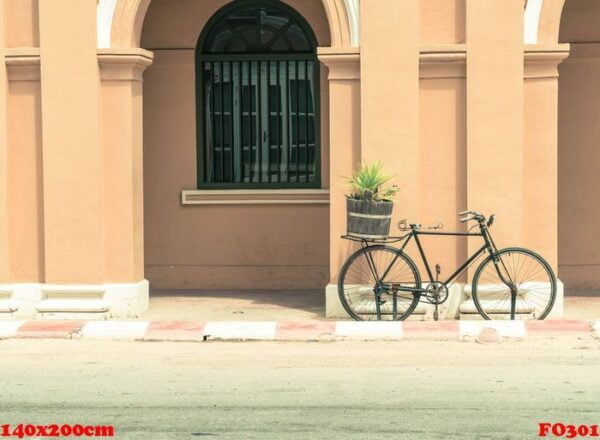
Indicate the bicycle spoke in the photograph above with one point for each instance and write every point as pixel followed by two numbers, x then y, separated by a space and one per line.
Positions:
pixel 367 294
pixel 532 280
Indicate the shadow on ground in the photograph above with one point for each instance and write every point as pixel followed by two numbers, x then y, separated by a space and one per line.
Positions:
pixel 242 305
pixel 289 305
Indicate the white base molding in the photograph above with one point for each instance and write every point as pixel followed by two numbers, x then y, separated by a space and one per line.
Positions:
pixel 468 310
pixel 72 301
pixel 458 305
pixel 423 312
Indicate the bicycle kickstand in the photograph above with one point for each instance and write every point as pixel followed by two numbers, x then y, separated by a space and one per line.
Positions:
pixel 436 314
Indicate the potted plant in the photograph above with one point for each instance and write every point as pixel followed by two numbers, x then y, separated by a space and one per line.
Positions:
pixel 369 205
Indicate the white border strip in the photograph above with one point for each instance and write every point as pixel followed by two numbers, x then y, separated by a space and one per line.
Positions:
pixel 240 330
pixel 104 17
pixel 9 328
pixel 353 10
pixel 596 327
pixel 106 11
pixel 532 21
pixel 507 329
pixel 369 329
pixel 114 329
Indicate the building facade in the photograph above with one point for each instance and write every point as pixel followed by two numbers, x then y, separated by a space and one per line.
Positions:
pixel 205 144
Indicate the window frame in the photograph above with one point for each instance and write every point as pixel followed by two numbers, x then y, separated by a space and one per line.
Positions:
pixel 201 57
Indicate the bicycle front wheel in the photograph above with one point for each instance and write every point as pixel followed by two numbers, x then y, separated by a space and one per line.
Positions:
pixel 518 285
pixel 371 281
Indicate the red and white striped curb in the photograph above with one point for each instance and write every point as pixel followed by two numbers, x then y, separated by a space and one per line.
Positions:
pixel 289 331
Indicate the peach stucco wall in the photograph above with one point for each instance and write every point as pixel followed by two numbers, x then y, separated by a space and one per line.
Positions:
pixel 442 21
pixel 217 246
pixel 444 91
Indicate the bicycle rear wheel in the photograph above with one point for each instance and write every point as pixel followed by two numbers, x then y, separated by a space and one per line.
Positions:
pixel 369 284
pixel 533 290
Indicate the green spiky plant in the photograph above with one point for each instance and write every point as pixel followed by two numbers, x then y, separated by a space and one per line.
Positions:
pixel 367 183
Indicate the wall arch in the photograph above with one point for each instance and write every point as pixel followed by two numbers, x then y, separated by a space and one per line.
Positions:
pixel 549 22
pixel 120 22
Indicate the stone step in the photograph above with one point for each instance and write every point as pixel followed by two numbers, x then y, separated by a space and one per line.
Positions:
pixel 8 306
pixel 72 305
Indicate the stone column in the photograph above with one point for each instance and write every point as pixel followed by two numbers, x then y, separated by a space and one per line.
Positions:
pixel 72 166
pixel 495 121
pixel 122 147
pixel 24 162
pixel 92 266
pixel 121 132
pixel 495 115
pixel 24 177
pixel 344 148
pixel 389 74
pixel 540 180
pixel 540 155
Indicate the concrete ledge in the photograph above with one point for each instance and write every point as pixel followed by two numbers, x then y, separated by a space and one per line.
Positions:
pixel 174 331
pixel 255 197
pixel 48 329
pixel 240 330
pixel 9 328
pixel 73 305
pixel 8 306
pixel 114 329
pixel 75 301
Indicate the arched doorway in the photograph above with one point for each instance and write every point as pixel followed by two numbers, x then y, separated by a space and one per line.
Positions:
pixel 236 116
pixel 579 147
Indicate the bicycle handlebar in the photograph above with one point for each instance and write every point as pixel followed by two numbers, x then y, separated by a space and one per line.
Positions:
pixel 471 215
pixel 465 216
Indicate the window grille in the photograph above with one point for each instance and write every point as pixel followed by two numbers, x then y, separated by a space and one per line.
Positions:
pixel 258 103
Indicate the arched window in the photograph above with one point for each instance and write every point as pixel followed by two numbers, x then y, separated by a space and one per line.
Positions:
pixel 257 90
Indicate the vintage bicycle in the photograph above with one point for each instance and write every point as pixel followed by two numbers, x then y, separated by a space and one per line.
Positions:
pixel 381 282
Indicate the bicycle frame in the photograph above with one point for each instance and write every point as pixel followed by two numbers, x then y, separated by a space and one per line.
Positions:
pixel 415 233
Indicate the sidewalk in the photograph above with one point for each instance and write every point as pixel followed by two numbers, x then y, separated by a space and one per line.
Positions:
pixel 287 305
pixel 236 305
pixel 290 316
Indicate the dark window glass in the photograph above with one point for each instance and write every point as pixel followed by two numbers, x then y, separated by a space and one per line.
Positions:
pixel 263 30
pixel 258 82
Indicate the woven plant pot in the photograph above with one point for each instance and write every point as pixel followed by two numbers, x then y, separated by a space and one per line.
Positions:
pixel 369 219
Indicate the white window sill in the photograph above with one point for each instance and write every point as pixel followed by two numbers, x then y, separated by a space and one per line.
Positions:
pixel 255 197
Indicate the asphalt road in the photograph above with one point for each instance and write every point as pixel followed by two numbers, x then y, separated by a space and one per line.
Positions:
pixel 336 390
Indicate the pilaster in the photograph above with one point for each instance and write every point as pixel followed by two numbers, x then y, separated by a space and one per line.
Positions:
pixel 344 146
pixel 390 95
pixel 24 162
pixel 121 116
pixel 71 144
pixel 495 115
pixel 540 149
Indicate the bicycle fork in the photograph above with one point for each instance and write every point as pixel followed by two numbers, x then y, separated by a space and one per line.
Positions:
pixel 438 270
pixel 510 284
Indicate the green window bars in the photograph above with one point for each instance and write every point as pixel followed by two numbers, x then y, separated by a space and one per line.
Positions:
pixel 257 89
